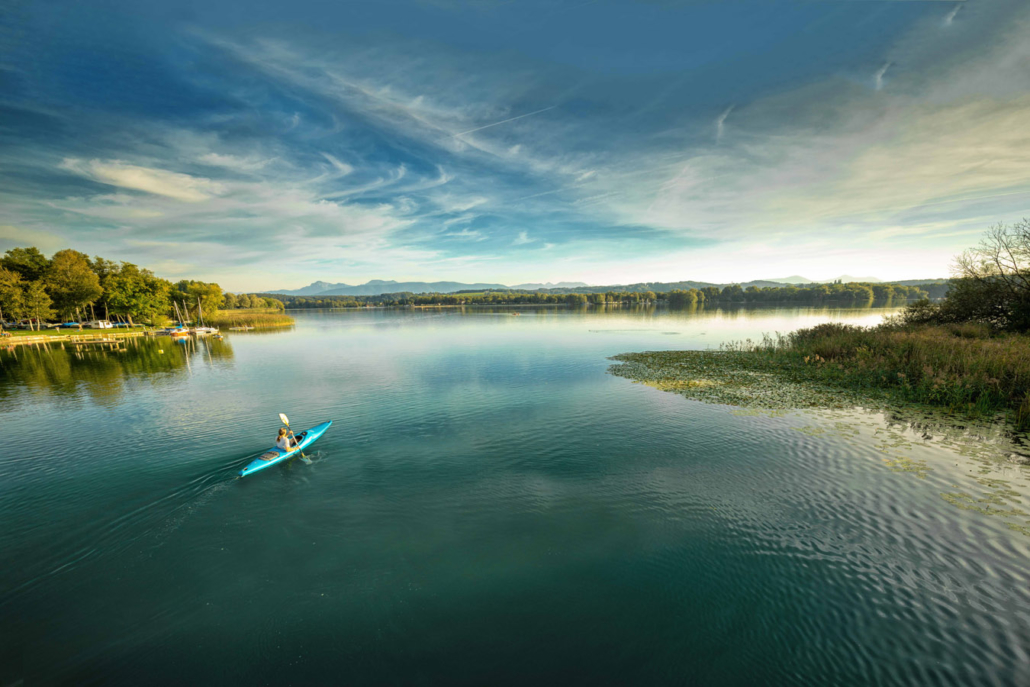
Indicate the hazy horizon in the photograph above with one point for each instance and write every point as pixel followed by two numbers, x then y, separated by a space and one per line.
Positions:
pixel 599 142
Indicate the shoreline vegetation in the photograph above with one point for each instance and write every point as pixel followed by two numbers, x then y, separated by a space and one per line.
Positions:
pixel 71 287
pixel 851 294
pixel 257 319
pixel 961 369
pixel 968 354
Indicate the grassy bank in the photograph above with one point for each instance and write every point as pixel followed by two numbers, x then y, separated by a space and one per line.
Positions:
pixel 259 318
pixel 957 367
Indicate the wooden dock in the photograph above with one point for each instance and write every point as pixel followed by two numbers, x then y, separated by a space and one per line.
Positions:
pixel 107 337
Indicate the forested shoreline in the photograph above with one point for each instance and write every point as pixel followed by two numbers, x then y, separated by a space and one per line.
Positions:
pixel 969 352
pixel 854 293
pixel 70 285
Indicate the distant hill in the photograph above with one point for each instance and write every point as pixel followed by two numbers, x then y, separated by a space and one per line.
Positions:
pixel 311 289
pixel 847 279
pixel 378 287
pixel 844 278
pixel 790 280
pixel 549 285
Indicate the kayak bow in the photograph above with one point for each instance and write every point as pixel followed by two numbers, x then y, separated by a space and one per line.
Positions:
pixel 277 455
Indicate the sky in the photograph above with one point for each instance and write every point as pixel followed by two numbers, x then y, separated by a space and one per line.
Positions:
pixel 270 144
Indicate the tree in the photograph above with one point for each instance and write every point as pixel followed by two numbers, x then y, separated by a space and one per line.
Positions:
pixel 37 302
pixel 106 271
pixel 12 299
pixel 576 299
pixel 27 262
pixel 137 293
pixel 229 301
pixel 274 304
pixel 993 280
pixel 991 283
pixel 209 295
pixel 733 292
pixel 71 282
pixel 680 298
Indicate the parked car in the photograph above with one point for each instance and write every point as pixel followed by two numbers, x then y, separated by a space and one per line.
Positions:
pixel 70 325
pixel 99 324
pixel 121 325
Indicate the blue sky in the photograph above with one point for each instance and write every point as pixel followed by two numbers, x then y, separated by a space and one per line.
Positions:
pixel 268 145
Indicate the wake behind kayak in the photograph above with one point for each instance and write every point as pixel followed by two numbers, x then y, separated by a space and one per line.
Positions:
pixel 277 455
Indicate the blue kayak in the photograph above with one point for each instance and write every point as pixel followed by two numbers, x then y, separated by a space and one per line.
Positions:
pixel 277 455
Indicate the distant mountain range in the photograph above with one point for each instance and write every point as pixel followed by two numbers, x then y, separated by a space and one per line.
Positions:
pixel 377 287
pixel 844 278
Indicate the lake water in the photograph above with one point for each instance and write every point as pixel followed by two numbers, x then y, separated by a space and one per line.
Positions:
pixel 489 507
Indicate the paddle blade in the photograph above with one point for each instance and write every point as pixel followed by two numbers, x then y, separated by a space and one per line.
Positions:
pixel 286 420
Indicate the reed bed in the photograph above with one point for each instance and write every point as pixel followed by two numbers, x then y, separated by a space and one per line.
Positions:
pixel 959 367
pixel 257 318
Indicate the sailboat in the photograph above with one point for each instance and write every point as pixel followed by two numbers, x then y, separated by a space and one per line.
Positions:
pixel 180 331
pixel 203 330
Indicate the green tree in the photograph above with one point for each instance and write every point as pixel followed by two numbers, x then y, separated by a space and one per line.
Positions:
pixel 190 291
pixel 576 299
pixel 28 262
pixel 138 294
pixel 680 298
pixel 71 282
pixel 991 284
pixel 37 301
pixel 229 301
pixel 12 298
pixel 106 271
pixel 274 303
pixel 733 292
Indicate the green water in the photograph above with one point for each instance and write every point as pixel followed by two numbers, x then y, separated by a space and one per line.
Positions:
pixel 489 507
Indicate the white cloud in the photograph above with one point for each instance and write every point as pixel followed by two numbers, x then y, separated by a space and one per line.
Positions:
pixel 950 16
pixel 241 164
pixel 19 237
pixel 523 239
pixel 880 73
pixel 720 122
pixel 342 167
pixel 182 187
pixel 466 233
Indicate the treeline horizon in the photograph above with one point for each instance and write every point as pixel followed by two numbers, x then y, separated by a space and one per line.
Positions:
pixel 851 293
pixel 70 284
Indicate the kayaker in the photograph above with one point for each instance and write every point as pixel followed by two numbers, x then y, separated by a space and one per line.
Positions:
pixel 285 441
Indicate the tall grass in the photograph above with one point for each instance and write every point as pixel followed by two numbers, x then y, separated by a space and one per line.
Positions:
pixel 959 366
pixel 251 317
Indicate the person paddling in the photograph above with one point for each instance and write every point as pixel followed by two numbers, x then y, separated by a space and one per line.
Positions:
pixel 285 441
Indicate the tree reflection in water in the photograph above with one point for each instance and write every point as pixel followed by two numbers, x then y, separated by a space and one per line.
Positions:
pixel 103 371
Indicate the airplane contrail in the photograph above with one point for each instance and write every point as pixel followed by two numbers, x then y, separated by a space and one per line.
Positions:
pixel 528 114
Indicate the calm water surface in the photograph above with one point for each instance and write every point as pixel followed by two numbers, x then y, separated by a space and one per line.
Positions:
pixel 489 507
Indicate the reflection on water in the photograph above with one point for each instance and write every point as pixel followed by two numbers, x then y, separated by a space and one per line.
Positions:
pixel 103 372
pixel 489 507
